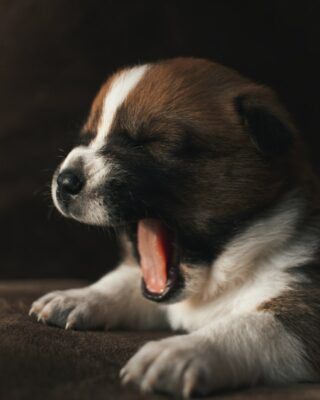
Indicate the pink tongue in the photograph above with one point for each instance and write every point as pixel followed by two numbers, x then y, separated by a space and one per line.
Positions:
pixel 152 246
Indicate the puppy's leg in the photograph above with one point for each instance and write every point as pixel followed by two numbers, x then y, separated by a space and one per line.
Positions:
pixel 238 352
pixel 114 301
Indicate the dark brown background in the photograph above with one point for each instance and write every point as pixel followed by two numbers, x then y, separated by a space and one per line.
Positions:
pixel 54 54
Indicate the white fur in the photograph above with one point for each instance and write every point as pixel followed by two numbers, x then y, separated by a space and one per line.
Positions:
pixel 122 85
pixel 258 245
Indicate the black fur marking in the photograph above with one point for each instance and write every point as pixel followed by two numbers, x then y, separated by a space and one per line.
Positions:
pixel 271 136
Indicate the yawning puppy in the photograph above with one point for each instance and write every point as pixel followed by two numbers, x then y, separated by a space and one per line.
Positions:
pixel 205 174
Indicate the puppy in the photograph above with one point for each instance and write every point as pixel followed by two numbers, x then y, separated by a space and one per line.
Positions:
pixel 204 173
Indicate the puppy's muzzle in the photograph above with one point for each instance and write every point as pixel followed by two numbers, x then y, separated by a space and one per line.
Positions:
pixel 69 185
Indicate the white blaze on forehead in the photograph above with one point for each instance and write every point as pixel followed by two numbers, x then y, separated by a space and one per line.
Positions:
pixel 122 85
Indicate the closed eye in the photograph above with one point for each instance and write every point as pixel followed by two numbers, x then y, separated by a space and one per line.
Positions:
pixel 125 140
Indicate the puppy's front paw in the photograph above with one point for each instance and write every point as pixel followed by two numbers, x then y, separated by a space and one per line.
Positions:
pixel 72 309
pixel 180 366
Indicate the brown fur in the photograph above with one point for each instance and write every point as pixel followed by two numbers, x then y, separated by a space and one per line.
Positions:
pixel 198 96
pixel 298 309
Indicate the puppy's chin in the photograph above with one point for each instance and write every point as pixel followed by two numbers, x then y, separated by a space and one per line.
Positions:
pixel 90 213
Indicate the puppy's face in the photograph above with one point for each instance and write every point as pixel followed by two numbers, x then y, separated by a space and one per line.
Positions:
pixel 181 153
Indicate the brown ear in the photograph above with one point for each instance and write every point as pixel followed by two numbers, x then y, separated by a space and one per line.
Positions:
pixel 266 121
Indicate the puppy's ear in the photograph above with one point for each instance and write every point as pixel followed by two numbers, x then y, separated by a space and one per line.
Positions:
pixel 267 123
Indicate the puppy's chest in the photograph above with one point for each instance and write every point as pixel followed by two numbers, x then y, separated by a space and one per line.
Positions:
pixel 242 299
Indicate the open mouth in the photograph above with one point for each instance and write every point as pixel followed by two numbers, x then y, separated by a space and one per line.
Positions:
pixel 158 260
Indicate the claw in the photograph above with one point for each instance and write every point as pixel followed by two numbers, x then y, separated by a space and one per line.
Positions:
pixel 41 318
pixel 126 378
pixel 146 387
pixel 188 387
pixel 122 372
pixel 69 325
pixel 187 391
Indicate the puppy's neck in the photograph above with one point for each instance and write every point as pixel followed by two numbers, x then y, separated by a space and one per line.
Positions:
pixel 280 239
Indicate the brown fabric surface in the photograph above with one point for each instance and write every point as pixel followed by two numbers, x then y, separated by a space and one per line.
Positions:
pixel 44 362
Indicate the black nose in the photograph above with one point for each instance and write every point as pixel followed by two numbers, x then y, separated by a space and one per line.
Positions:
pixel 69 182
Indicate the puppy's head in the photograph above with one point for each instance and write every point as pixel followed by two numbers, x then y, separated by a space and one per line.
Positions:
pixel 181 152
